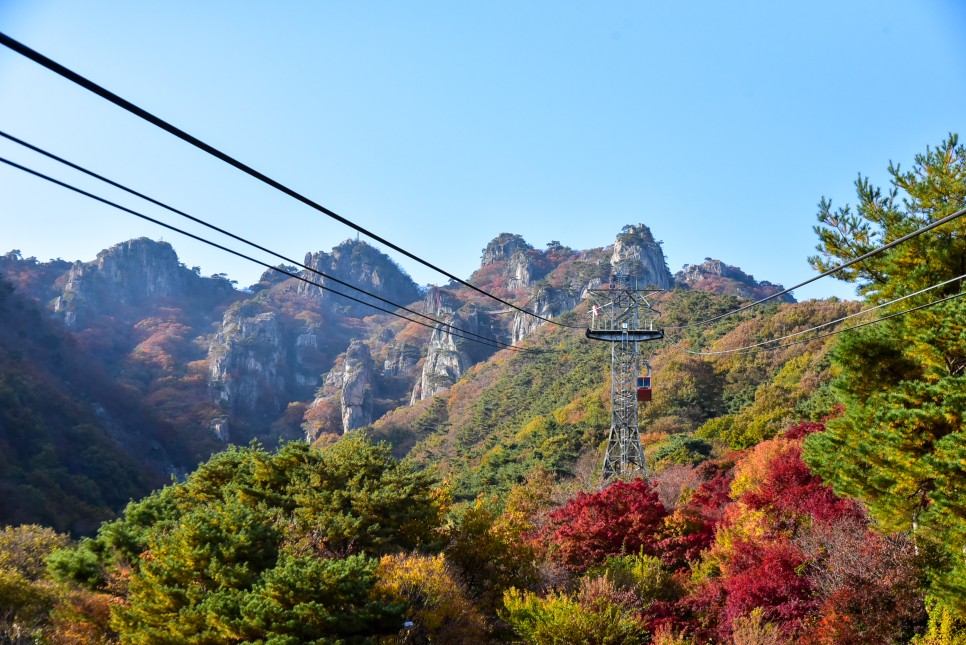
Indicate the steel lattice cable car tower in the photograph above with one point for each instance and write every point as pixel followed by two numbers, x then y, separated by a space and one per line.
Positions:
pixel 622 316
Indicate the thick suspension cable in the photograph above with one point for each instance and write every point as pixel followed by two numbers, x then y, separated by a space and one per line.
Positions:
pixel 198 220
pixel 244 256
pixel 831 271
pixel 763 346
pixel 89 85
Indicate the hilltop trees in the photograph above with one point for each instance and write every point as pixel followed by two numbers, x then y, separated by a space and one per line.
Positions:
pixel 899 445
pixel 257 546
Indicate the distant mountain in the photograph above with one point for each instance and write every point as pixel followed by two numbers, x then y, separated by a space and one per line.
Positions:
pixel 715 276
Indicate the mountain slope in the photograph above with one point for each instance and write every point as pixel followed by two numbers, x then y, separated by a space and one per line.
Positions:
pixel 74 446
pixel 549 408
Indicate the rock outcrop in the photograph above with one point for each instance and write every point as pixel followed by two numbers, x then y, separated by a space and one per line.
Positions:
pixel 502 247
pixel 518 271
pixel 449 356
pixel 636 252
pixel 512 261
pixel 717 277
pixel 545 302
pixel 401 358
pixel 307 360
pixel 246 361
pixel 132 273
pixel 345 401
pixel 359 264
pixel 356 386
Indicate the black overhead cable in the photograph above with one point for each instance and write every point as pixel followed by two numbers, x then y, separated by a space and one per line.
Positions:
pixel 760 347
pixel 836 269
pixel 239 238
pixel 249 258
pixel 89 85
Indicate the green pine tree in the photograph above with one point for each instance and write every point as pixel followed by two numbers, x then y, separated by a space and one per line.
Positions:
pixel 900 445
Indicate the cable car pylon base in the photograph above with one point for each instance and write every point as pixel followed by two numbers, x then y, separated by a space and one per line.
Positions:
pixel 622 316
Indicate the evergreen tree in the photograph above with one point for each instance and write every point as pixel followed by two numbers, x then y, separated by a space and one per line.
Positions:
pixel 900 445
pixel 261 547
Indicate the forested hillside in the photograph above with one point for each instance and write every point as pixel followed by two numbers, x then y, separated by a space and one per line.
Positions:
pixel 806 480
pixel 75 445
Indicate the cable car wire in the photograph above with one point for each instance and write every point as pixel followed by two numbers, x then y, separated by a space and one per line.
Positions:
pixel 238 238
pixel 203 240
pixel 749 349
pixel 831 271
pixel 89 85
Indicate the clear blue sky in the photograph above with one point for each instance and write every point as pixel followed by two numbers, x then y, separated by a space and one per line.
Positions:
pixel 441 124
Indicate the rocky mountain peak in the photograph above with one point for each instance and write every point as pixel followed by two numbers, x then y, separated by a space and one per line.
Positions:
pixel 636 251
pixel 358 263
pixel 502 247
pixel 135 272
pixel 718 277
pixel 144 265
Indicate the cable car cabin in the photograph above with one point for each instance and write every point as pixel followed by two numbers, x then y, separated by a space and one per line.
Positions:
pixel 644 388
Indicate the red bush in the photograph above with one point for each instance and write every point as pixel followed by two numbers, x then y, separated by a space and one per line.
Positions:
pixel 692 527
pixel 623 518
pixel 791 489
pixel 804 429
pixel 766 576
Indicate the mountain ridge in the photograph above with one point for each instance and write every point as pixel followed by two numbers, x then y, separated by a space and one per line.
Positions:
pixel 283 360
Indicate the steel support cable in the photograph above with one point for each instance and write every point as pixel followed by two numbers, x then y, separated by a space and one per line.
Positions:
pixel 754 348
pixel 247 257
pixel 831 271
pixel 198 220
pixel 89 85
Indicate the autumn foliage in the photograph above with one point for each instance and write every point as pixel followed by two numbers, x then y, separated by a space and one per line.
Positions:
pixel 623 518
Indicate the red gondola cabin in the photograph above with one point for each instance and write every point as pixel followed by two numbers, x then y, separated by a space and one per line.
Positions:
pixel 644 388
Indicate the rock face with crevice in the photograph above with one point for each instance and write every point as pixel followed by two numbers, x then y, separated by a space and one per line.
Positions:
pixel 345 400
pixel 401 358
pixel 449 355
pixel 357 375
pixel 246 361
pixel 519 271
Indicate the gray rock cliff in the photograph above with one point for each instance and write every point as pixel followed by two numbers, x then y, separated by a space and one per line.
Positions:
pixel 637 251
pixel 345 401
pixel 356 399
pixel 132 273
pixel 246 361
pixel 360 264
pixel 449 356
